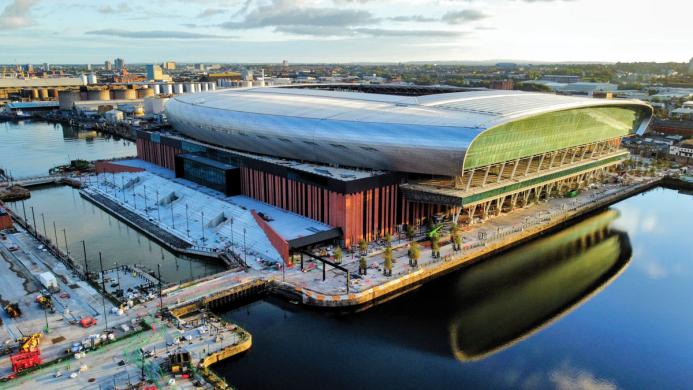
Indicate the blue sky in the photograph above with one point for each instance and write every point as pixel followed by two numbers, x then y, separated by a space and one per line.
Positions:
pixel 71 31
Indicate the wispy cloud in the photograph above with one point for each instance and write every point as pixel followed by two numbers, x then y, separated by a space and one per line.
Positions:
pixel 467 15
pixel 17 14
pixel 119 8
pixel 209 12
pixel 285 13
pixel 154 34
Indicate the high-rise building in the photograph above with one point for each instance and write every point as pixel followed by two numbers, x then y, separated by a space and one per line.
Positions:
pixel 690 66
pixel 119 63
pixel 46 67
pixel 107 65
pixel 154 72
pixel 169 65
pixel 200 67
pixel 285 64
pixel 88 66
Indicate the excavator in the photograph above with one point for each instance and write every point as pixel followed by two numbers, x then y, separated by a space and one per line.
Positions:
pixel 29 353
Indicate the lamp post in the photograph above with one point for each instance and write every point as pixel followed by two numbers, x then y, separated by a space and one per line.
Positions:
pixel 67 249
pixel 86 264
pixel 245 251
pixel 24 211
pixel 145 201
pixel 173 221
pixel 55 231
pixel 202 222
pixel 43 219
pixel 187 222
pixel 103 296
pixel 158 213
pixel 33 216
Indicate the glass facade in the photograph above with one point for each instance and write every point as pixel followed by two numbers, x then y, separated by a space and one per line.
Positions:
pixel 548 132
pixel 205 175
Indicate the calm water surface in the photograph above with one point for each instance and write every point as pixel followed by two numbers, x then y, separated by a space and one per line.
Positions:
pixel 603 304
pixel 32 148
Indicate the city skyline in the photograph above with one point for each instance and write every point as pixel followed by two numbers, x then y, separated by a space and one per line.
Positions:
pixel 35 31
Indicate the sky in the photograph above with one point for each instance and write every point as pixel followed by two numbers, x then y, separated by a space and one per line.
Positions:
pixel 332 31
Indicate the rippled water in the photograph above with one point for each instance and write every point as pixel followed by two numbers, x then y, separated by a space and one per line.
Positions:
pixel 30 148
pixel 603 304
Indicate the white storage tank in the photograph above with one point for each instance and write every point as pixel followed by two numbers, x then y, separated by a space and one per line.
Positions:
pixel 204 87
pixel 212 86
pixel 113 116
pixel 91 79
pixel 178 88
pixel 156 88
pixel 84 79
pixel 67 99
pixel 167 89
pixel 154 105
pixel 188 88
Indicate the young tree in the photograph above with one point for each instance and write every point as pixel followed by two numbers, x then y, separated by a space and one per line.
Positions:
pixel 414 254
pixel 363 246
pixel 454 236
pixel 435 246
pixel 363 267
pixel 410 232
pixel 387 267
pixel 338 255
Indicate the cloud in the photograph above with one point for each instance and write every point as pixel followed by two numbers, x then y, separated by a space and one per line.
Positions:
pixel 413 18
pixel 120 8
pixel 571 379
pixel 209 12
pixel 16 14
pixel 283 13
pixel 154 34
pixel 332 31
pixel 467 15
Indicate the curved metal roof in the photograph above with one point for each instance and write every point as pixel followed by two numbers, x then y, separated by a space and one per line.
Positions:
pixel 426 134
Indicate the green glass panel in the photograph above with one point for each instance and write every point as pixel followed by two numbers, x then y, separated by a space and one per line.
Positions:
pixel 538 180
pixel 551 131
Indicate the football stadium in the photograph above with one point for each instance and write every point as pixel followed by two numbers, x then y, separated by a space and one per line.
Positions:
pixel 370 159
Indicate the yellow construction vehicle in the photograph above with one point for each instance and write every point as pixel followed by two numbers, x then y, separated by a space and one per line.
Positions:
pixel 29 343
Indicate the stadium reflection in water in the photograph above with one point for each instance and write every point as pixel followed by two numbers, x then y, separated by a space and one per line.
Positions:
pixel 510 297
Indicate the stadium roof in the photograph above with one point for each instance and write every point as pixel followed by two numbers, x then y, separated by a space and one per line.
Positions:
pixel 424 134
pixel 473 109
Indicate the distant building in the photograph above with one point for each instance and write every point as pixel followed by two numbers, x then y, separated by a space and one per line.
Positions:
pixel 46 67
pixel 107 65
pixel 154 72
pixel 682 149
pixel 88 66
pixel 502 84
pixel 119 63
pixel 285 64
pixel 690 66
pixel 506 65
pixel 559 78
pixel 200 67
pixel 169 65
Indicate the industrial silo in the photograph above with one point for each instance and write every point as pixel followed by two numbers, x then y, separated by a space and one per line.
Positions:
pixel 154 105
pixel 144 92
pixel 43 93
pixel 156 88
pixel 178 88
pixel 188 88
pixel 67 99
pixel 98 94
pixel 167 89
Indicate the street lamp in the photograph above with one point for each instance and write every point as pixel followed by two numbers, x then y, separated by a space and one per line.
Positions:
pixel 67 249
pixel 187 222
